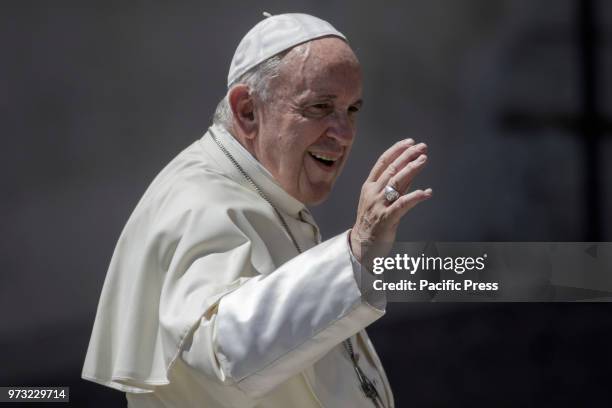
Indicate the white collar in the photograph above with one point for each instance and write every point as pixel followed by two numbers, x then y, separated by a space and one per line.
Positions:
pixel 260 175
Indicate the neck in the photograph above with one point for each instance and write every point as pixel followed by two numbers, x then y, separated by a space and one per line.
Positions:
pixel 246 142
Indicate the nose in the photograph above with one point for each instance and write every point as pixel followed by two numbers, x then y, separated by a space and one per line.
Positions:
pixel 342 128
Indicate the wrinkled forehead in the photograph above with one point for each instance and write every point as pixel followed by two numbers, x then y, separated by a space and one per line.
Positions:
pixel 323 50
pixel 324 65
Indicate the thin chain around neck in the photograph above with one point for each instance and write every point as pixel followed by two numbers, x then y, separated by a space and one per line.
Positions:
pixel 367 386
pixel 257 189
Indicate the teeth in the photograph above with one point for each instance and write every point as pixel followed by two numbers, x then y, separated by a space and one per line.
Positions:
pixel 318 156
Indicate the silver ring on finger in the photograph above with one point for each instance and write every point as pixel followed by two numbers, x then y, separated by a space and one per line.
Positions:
pixel 391 194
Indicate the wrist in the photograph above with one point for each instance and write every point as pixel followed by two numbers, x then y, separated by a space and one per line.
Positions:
pixel 357 244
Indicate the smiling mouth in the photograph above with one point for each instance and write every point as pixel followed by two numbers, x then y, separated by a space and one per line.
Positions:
pixel 327 161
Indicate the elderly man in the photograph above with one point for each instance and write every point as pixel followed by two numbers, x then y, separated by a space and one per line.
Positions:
pixel 220 292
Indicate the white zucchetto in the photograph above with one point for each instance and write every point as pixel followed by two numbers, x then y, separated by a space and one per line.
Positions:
pixel 276 34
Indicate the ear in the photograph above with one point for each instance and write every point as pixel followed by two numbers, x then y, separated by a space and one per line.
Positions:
pixel 243 109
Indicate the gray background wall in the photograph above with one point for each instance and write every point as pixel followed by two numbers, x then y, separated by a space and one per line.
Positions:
pixel 96 97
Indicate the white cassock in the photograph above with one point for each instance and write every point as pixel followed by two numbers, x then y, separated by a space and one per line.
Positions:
pixel 207 302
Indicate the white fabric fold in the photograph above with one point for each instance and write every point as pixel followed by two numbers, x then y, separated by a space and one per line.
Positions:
pixel 302 310
pixel 206 302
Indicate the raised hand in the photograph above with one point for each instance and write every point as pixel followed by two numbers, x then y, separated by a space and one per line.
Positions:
pixel 380 208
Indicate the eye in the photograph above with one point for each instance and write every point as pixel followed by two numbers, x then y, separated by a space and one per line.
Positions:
pixel 353 109
pixel 321 106
pixel 317 109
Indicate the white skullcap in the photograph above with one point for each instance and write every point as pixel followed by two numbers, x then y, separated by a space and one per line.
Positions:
pixel 273 35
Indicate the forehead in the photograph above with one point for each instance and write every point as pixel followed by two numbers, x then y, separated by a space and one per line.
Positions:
pixel 326 66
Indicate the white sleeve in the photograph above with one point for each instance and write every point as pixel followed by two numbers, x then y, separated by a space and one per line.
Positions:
pixel 272 327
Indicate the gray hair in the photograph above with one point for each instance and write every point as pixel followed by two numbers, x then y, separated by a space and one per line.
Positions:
pixel 258 80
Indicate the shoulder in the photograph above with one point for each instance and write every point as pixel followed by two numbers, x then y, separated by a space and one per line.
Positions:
pixel 193 208
pixel 194 183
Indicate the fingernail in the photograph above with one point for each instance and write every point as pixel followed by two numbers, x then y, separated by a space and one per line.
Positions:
pixel 429 192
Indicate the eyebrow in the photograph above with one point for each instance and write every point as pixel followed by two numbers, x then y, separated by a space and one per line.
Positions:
pixel 358 103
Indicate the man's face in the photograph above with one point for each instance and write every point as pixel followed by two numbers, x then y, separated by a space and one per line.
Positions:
pixel 307 127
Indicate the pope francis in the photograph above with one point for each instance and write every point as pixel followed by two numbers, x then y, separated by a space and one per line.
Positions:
pixel 220 292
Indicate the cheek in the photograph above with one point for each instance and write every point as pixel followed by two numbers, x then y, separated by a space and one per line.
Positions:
pixel 311 131
pixel 300 135
pixel 295 134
